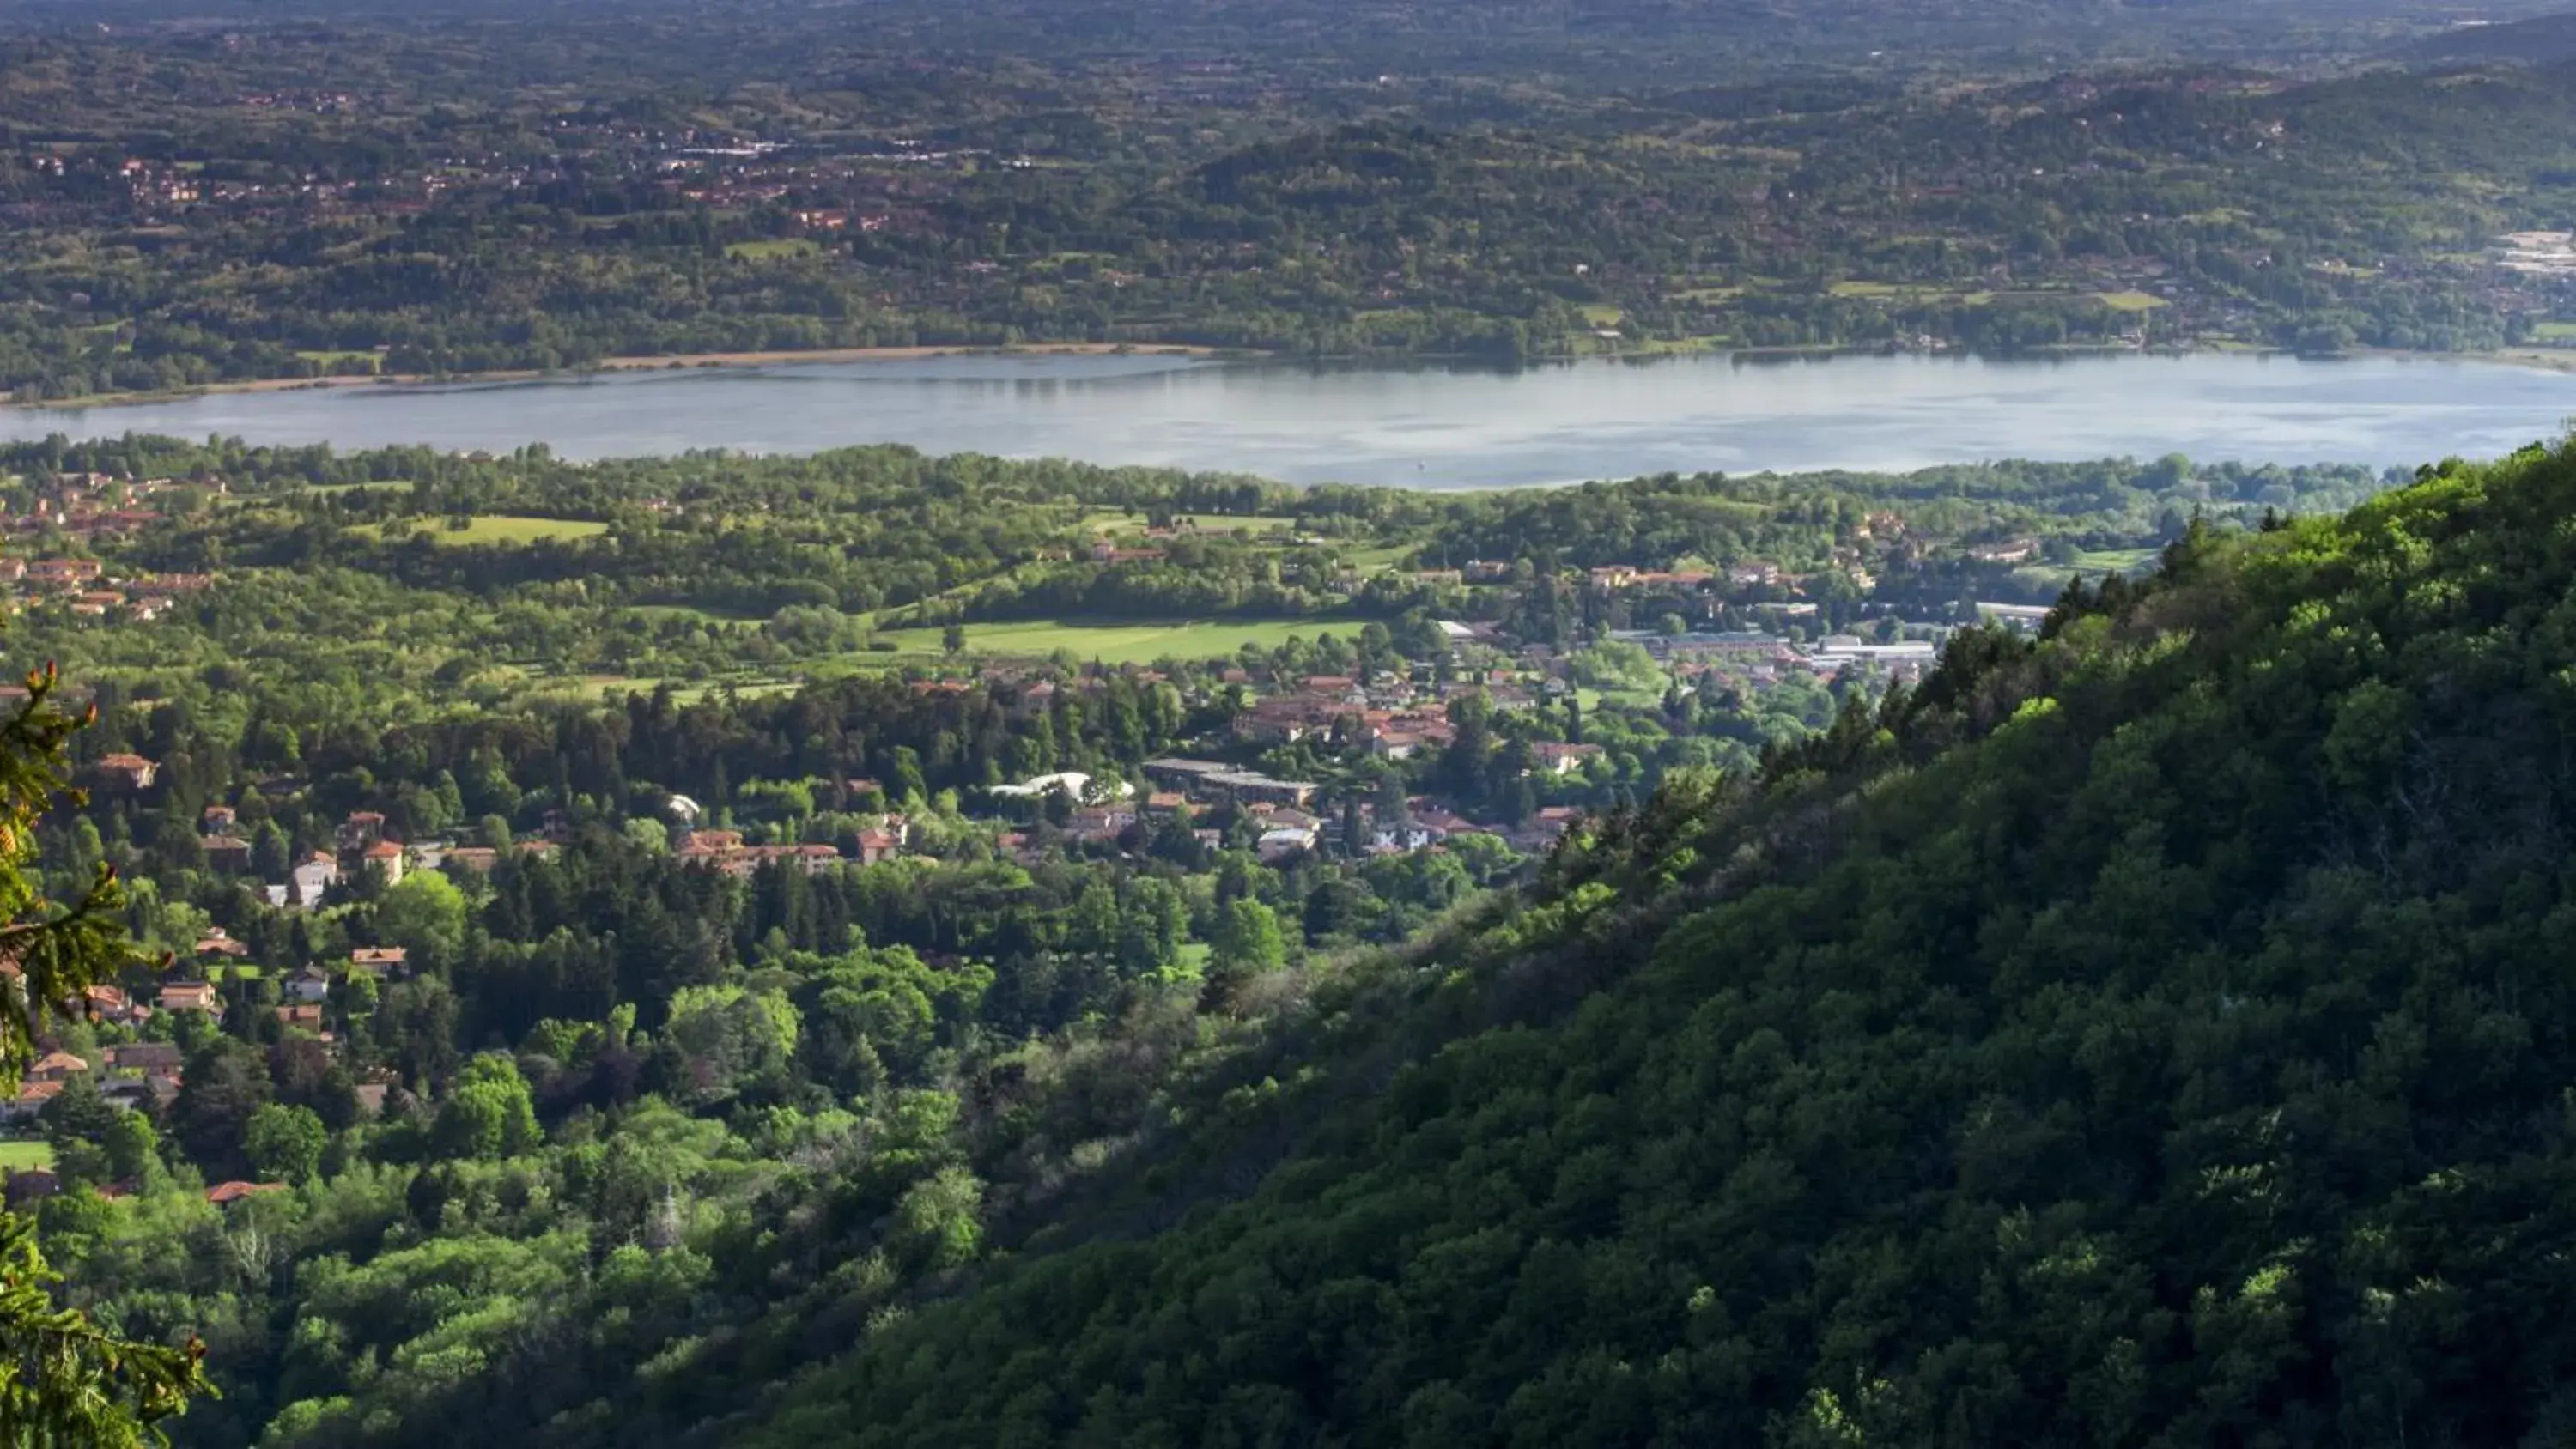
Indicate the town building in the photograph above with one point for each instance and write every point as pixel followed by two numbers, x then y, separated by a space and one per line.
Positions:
pixel 191 996
pixel 133 772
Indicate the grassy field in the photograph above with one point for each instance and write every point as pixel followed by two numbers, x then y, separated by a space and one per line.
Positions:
pixel 2117 560
pixel 335 358
pixel 26 1156
pixel 1141 643
pixel 2131 301
pixel 2553 331
pixel 1384 556
pixel 491 528
pixel 2048 577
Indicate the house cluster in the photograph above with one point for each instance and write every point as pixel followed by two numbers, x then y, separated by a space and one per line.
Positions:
pixel 147 1075
pixel 838 218
pixel 1619 578
pixel 873 185
pixel 1755 578
pixel 83 586
pixel 91 505
pixel 1209 782
pixel 1392 716
pixel 2549 254
pixel 725 850
pixel 1424 824
pixel 360 845
pixel 301 995
pixel 1285 815
pixel 1758 660
pixel 1279 807
pixel 2008 551
pixel 144 1075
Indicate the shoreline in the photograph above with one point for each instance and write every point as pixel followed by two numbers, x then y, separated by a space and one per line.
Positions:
pixel 671 362
pixel 2544 359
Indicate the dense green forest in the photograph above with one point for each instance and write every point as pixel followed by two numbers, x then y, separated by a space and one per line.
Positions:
pixel 2155 1034
pixel 880 949
pixel 609 957
pixel 2142 1033
pixel 191 204
pixel 2134 1031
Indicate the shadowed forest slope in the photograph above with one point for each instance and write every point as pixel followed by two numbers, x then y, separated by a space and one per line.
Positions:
pixel 2156 1034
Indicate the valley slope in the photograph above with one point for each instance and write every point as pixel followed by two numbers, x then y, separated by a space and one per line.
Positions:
pixel 2157 1034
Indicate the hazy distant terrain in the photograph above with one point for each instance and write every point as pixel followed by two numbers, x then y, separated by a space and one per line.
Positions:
pixel 2542 40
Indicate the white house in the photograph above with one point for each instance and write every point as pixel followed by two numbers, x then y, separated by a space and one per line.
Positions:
pixel 311 879
pixel 1285 841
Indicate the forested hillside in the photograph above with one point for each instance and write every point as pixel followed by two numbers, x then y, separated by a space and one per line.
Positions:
pixel 2154 1034
pixel 612 935
pixel 190 206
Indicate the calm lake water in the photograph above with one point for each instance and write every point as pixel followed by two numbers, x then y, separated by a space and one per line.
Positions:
pixel 1441 428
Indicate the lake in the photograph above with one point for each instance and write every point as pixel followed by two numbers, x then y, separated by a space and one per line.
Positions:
pixel 1437 427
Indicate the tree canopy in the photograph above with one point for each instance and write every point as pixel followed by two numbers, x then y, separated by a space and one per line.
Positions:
pixel 63 1379
pixel 2155 1034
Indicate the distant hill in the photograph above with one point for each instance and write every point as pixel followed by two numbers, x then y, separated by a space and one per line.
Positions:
pixel 2542 41
pixel 2156 1035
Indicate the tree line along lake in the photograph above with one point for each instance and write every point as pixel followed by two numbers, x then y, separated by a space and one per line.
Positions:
pixel 1435 427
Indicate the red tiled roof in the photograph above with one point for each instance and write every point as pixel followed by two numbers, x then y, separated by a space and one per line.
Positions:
pixel 223 1193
